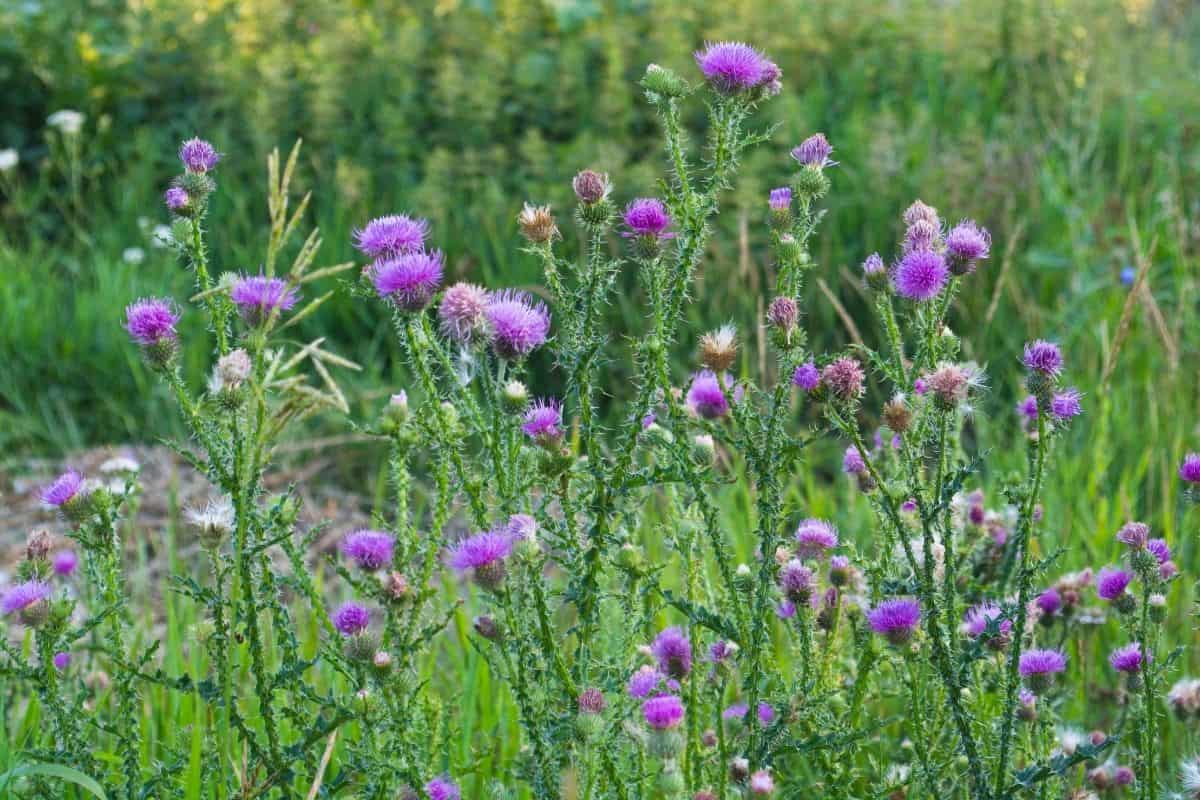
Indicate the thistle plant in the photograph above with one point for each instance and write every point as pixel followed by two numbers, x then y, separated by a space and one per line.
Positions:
pixel 586 554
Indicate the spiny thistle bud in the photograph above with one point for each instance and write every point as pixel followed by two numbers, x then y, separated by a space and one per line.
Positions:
pixel 784 315
pixel 590 186
pixel 875 273
pixel 1157 607
pixel 361 647
pixel 663 81
pixel 718 349
pixel 743 578
pixel 486 627
pixel 704 448
pixel 382 661
pixel 537 224
pixel 197 186
pixel 395 413
pixel 780 203
pixel 631 558
pixel 811 182
pixel 896 414
pixel 515 396
pixel 791 251
pixel 234 368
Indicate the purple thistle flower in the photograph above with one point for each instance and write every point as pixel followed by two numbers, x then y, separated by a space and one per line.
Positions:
pixel 735 711
pixel 543 422
pixel 521 528
pixel 391 236
pixel 814 537
pixel 921 235
pixel 647 216
pixel 1066 404
pixel 1189 470
pixel 481 550
pixel 705 397
pixel 1127 659
pixel 852 462
pixel 781 199
pixel 442 788
pixel 21 596
pixel 645 680
pixel 968 242
pixel 1038 667
pixel 1112 582
pixel 797 582
pixel 463 312
pixel 663 712
pixel 844 378
pixel 408 280
pixel 66 487
pixel 151 321
pixel 65 563
pixel 814 151
pixel 351 619
pixel 807 376
pixel 1160 550
pixel 1134 534
pixel 895 619
pixel 198 155
pixel 369 549
pixel 673 651
pixel 176 198
pixel 921 275
pixel 766 714
pixel 978 618
pixel 258 297
pixel 732 67
pixel 720 651
pixel 873 265
pixel 61 661
pixel 519 325
pixel 1043 357
pixel 1049 601
pixel 1028 408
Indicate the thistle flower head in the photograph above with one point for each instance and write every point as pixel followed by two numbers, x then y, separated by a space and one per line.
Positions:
pixel 1049 601
pixel 61 660
pixel 1127 659
pixel 921 275
pixel 369 549
pixel 1043 357
pixel 591 186
pixel 198 155
pixel 1066 404
pixel 732 67
pixel 151 321
pixel 968 244
pixel 814 537
pixel 1038 667
pixel 780 199
pixel 1189 469
pixel 718 348
pixel 645 680
pixel 543 422
pixel 591 701
pixel 852 462
pixel 761 783
pixel 442 788
pixel 213 521
pixel 895 619
pixel 706 398
pixel 1028 408
pixel 783 313
pixel 807 376
pixel 351 619
pixel 23 596
pixel 462 314
pixel 875 271
pixel 1112 582
pixel 918 211
pixel 814 152
pixel 950 384
pixel 1160 550
pixel 1136 535
pixel 647 216
pixel 976 621
pixel 844 378
pixel 257 297
pixel 663 712
pixel 481 550
pixel 65 563
pixel 386 237
pixel 408 280
pixel 921 235
pixel 673 651
pixel 176 198
pixel 797 582
pixel 519 324
pixel 537 224
pixel 64 489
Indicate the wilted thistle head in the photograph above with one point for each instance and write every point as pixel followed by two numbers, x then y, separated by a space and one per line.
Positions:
pixel 408 280
pixel 647 217
pixel 484 555
pixel 543 422
pixel 807 376
pixel 718 348
pixel 895 619
pixel 1067 404
pixel 389 236
pixel 705 398
pixel 1189 469
pixel 151 323
pixel 896 414
pixel 213 521
pixel 950 384
pixel 257 297
pixel 369 549
pixel 814 152
pixel 591 701
pixel 966 245
pixel 921 275
pixel 537 224
pixel 198 155
pixel 462 315
pixel 797 582
pixel 663 712
pixel 1038 668
pixel 732 67
pixel 351 619
pixel 844 379
pixel 518 324
pixel 1127 659
pixel 176 198
pixel 814 537
pixel 1043 357
pixel 28 601
pixel 442 788
pixel 673 651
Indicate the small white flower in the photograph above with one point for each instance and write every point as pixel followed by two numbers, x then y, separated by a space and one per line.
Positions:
pixel 8 159
pixel 68 121
pixel 1189 776
pixel 161 236
pixel 133 255
pixel 120 464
